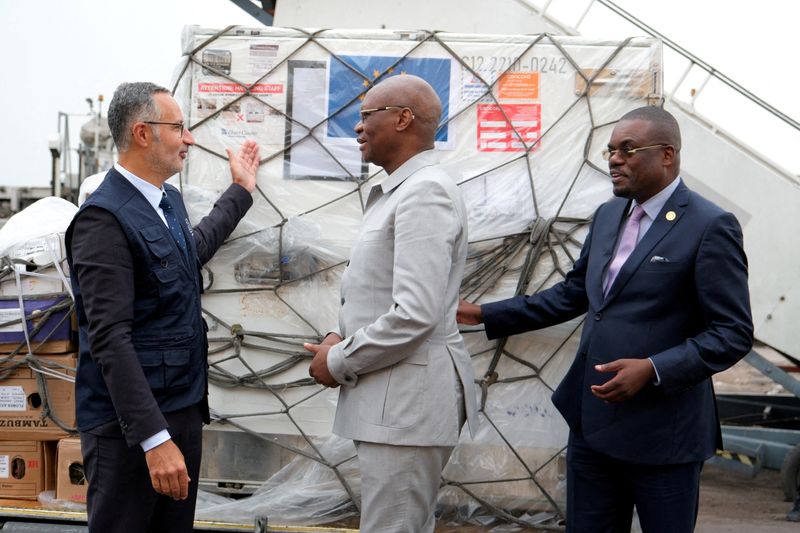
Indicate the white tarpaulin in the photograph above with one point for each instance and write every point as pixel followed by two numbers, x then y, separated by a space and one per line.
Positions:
pixel 525 119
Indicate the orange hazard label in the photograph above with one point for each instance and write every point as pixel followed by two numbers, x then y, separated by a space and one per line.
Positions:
pixel 518 85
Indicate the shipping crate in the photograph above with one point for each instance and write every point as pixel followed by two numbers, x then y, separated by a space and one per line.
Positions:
pixel 516 131
pixel 524 122
pixel 34 393
pixel 71 482
pixel 26 468
pixel 51 324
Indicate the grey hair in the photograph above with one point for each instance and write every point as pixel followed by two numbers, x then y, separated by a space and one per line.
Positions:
pixel 132 102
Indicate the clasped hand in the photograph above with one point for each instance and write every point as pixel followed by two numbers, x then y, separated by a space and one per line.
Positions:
pixel 319 364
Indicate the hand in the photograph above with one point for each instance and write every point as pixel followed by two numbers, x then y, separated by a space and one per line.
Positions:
pixel 632 375
pixel 168 472
pixel 244 165
pixel 331 339
pixel 468 313
pixel 319 365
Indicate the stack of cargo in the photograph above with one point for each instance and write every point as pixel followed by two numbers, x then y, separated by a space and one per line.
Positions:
pixel 38 352
pixel 525 119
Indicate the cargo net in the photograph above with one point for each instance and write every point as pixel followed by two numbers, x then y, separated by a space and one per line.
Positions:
pixel 524 121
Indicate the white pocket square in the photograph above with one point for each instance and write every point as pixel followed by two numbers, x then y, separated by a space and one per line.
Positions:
pixel 659 259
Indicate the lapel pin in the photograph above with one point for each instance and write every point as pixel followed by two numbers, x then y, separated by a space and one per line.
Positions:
pixel 670 215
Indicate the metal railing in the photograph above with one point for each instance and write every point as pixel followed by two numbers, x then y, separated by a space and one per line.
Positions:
pixel 693 62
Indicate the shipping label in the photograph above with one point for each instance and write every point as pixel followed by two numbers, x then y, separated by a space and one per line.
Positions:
pixel 503 128
pixel 4 462
pixel 518 86
pixel 12 398
pixel 8 315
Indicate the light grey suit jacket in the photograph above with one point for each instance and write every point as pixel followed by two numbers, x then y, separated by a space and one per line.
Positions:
pixel 402 352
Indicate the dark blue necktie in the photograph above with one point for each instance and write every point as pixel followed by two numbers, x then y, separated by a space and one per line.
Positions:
pixel 172 222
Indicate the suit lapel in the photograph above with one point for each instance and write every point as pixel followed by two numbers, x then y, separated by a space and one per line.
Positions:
pixel 663 224
pixel 604 238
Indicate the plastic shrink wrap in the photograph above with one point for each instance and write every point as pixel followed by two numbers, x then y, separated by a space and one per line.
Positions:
pixel 524 121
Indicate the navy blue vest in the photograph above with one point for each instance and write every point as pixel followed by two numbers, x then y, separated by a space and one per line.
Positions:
pixel 169 334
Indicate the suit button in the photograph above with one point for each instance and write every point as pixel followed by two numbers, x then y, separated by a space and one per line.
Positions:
pixel 341 301
pixel 598 316
pixel 164 263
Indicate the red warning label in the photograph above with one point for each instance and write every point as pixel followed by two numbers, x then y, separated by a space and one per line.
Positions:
pixel 504 128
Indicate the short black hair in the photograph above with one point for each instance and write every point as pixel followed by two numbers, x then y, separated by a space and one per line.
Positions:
pixel 665 126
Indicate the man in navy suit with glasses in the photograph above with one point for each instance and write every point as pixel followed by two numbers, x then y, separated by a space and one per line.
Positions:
pixel 662 279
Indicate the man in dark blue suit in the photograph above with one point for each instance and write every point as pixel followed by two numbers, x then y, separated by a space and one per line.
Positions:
pixel 662 278
pixel 141 383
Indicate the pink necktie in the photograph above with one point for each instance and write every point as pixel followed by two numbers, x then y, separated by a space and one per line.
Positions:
pixel 627 243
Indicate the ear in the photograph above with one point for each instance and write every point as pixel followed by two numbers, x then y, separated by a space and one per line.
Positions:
pixel 669 156
pixel 404 119
pixel 141 134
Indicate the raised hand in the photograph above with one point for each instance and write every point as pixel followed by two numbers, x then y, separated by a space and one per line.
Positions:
pixel 244 164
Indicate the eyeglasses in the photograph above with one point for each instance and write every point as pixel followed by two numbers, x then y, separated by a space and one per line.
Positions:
pixel 625 153
pixel 178 125
pixel 365 113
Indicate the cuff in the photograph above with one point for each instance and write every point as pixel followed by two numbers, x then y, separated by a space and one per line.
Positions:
pixel 159 438
pixel 656 381
pixel 338 367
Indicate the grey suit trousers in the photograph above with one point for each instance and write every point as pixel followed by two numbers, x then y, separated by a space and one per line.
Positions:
pixel 399 484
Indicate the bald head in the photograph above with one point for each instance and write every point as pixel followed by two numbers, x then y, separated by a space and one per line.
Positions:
pixel 403 121
pixel 416 93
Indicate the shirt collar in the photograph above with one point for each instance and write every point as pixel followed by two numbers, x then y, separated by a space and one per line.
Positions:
pixel 420 160
pixel 393 180
pixel 150 192
pixel 653 205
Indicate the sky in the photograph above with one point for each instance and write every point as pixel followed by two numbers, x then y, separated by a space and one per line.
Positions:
pixel 58 53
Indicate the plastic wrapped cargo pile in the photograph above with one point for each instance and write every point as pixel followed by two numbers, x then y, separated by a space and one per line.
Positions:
pixel 38 341
pixel 524 121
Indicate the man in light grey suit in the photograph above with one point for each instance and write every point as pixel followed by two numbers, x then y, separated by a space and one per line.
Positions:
pixel 407 382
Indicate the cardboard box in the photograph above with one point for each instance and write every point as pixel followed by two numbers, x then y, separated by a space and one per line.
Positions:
pixel 71 482
pixel 35 261
pixel 51 314
pixel 22 401
pixel 26 468
pixel 41 282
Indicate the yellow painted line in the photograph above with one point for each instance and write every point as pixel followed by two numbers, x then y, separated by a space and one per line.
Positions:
pixel 33 512
pixel 740 457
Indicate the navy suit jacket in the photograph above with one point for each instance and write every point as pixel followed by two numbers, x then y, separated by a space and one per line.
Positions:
pixel 681 298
